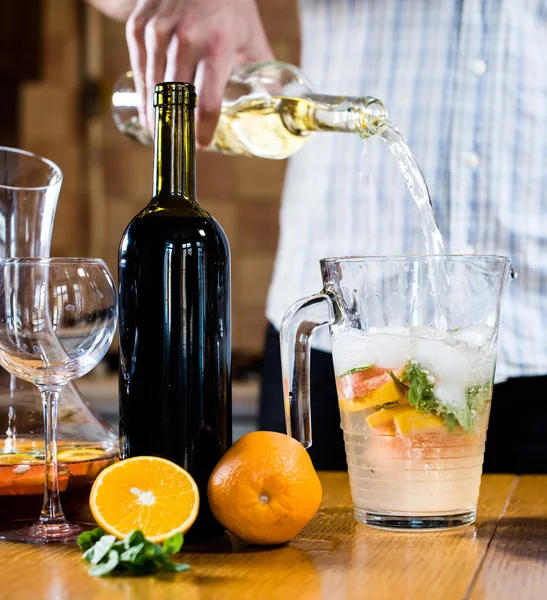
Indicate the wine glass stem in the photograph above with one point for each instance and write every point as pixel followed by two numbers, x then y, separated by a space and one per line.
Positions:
pixel 52 511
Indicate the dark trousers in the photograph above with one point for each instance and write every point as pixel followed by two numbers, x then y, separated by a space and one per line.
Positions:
pixel 517 433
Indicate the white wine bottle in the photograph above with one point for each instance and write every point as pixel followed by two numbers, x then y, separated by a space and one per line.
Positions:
pixel 269 110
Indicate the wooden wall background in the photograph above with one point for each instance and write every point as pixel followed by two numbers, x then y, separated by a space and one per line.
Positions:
pixel 107 178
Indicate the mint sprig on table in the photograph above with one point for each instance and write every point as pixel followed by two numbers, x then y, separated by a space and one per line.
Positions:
pixel 134 554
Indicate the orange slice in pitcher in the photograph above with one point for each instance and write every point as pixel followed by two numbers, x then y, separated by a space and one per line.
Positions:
pixel 385 416
pixel 412 422
pixel 361 381
pixel 386 393
pixel 147 493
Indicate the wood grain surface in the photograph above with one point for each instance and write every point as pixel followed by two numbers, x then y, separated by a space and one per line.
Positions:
pixel 516 563
pixel 503 555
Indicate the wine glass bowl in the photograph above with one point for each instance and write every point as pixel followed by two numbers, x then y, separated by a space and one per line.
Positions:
pixel 57 320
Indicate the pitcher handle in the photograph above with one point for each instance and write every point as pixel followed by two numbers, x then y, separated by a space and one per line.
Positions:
pixel 297 327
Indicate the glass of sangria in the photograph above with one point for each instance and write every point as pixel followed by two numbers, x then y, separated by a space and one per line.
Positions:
pixel 57 320
pixel 29 190
pixel 414 342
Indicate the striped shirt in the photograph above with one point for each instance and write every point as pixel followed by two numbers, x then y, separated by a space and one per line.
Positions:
pixel 466 82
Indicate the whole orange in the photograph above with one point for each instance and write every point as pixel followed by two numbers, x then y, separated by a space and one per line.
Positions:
pixel 264 489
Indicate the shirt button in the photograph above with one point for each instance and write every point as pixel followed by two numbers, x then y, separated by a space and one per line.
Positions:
pixel 479 67
pixel 471 160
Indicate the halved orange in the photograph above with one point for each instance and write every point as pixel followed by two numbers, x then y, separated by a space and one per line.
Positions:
pixel 147 493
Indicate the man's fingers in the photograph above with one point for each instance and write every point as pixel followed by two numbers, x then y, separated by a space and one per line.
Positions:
pixel 194 41
pixel 183 56
pixel 211 77
pixel 259 50
pixel 156 36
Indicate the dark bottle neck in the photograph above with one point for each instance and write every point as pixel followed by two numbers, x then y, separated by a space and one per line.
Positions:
pixel 175 152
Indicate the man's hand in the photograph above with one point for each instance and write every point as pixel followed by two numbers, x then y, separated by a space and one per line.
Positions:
pixel 197 41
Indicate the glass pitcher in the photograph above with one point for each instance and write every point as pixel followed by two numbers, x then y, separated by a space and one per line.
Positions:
pixel 29 189
pixel 269 110
pixel 414 375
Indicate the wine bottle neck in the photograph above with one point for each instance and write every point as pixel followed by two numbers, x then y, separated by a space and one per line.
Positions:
pixel 364 116
pixel 175 154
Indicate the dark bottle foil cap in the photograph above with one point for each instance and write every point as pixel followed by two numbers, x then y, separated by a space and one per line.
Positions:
pixel 175 93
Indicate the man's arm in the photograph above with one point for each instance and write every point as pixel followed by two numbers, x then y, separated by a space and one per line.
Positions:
pixel 119 10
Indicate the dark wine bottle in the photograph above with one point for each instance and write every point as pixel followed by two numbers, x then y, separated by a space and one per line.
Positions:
pixel 174 305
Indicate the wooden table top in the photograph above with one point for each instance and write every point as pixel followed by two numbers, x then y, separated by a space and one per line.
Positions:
pixel 503 555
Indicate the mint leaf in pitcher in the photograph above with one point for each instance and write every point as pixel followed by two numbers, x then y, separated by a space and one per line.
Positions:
pixel 421 395
pixel 420 387
pixel 477 399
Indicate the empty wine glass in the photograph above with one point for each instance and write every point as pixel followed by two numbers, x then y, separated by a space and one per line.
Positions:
pixel 57 320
